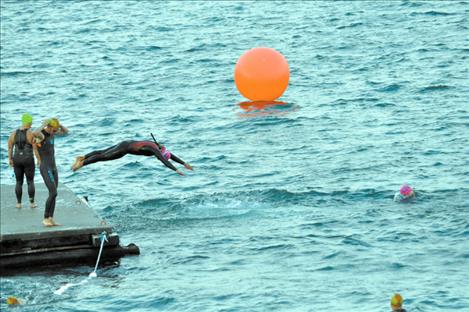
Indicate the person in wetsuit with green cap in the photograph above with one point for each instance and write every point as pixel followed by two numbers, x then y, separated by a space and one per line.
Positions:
pixel 20 157
pixel 144 148
pixel 44 137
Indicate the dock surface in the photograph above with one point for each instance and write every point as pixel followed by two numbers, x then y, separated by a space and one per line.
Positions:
pixel 25 243
pixel 73 213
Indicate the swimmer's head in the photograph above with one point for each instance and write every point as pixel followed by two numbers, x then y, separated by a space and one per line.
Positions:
pixel 27 119
pixel 396 301
pixel 166 154
pixel 53 123
pixel 12 300
pixel 406 190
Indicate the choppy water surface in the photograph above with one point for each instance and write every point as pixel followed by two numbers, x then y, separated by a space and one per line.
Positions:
pixel 289 208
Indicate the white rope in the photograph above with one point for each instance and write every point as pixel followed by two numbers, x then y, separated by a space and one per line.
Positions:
pixel 93 274
pixel 103 239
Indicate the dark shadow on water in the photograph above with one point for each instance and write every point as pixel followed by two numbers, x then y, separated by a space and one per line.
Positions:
pixel 266 108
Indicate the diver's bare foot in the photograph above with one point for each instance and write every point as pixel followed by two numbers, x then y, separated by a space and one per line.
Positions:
pixel 33 205
pixel 78 163
pixel 54 223
pixel 18 205
pixel 47 222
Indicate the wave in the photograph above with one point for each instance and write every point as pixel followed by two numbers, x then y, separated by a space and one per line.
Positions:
pixel 152 48
pixel 432 13
pixel 411 4
pixel 205 47
pixel 434 88
pixel 162 29
pixel 391 88
pixel 275 247
pixel 263 198
pixel 107 121
pixel 352 25
pixel 17 73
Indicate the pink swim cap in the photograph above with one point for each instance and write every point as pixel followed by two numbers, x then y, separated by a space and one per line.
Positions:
pixel 406 190
pixel 166 154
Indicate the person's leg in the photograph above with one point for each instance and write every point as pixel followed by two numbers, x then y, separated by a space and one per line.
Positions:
pixel 48 177
pixel 115 152
pixel 79 160
pixel 99 152
pixel 29 172
pixel 55 175
pixel 19 174
pixel 111 153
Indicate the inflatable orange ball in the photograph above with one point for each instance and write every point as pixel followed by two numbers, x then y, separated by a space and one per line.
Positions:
pixel 262 74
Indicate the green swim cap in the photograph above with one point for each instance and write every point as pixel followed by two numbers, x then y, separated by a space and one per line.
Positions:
pixel 27 119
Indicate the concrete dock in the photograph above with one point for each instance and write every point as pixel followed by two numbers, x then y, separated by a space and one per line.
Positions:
pixel 26 243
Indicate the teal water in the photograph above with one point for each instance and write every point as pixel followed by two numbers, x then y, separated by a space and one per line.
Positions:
pixel 288 208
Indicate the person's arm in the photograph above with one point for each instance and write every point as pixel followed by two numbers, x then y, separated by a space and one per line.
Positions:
pixel 165 162
pixel 11 141
pixel 31 141
pixel 62 130
pixel 36 153
pixel 158 144
pixel 37 134
pixel 182 162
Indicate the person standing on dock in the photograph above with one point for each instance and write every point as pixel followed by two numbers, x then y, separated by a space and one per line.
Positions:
pixel 44 137
pixel 20 157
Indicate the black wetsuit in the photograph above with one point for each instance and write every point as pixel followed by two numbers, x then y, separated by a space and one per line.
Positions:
pixel 145 148
pixel 23 164
pixel 399 310
pixel 49 172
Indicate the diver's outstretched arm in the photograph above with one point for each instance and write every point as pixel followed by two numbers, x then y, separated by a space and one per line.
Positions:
pixel 166 163
pixel 182 162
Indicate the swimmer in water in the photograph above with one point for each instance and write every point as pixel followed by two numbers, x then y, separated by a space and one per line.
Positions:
pixel 144 148
pixel 12 301
pixel 405 194
pixel 396 303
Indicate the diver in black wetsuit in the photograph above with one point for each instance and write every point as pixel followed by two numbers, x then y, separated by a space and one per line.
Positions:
pixel 45 141
pixel 20 156
pixel 145 148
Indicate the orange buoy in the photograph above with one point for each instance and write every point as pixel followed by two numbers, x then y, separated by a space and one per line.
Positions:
pixel 262 74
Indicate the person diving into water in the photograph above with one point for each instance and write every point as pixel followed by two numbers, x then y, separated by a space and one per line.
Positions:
pixel 144 148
